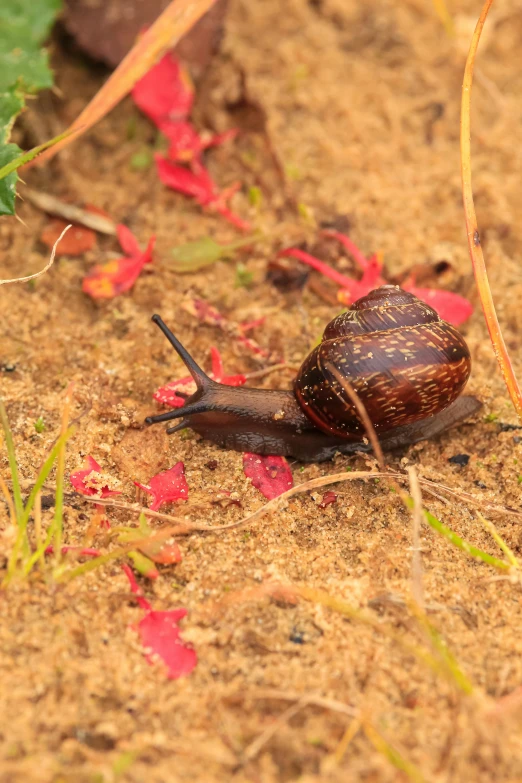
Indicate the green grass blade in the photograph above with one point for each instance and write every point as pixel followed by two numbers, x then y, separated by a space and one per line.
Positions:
pixel 26 513
pixel 460 543
pixel 490 527
pixel 391 753
pixel 11 454
pixel 21 160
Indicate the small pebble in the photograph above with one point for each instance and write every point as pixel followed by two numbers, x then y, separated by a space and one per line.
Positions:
pixel 459 459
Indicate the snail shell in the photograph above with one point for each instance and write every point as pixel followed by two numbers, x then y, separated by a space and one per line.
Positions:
pixel 399 357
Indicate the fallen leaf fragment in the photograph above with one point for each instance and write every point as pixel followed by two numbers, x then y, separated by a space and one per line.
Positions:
pixel 174 393
pixel 160 635
pixel 208 314
pixel 106 281
pixel 327 499
pixel 76 242
pixel 271 475
pixel 205 251
pixel 91 481
pixel 450 306
pixel 166 487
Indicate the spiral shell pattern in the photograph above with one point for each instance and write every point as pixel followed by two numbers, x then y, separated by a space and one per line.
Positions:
pixel 397 355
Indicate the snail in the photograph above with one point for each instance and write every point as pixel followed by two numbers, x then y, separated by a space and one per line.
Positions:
pixel 406 365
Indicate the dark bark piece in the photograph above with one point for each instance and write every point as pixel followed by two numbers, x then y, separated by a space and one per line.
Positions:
pixel 107 29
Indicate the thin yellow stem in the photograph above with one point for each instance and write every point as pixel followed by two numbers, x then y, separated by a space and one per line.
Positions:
pixel 475 249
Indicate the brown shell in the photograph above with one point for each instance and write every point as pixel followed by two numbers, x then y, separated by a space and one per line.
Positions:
pixel 403 362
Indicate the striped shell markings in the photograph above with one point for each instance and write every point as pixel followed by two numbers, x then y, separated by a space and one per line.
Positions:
pixel 400 358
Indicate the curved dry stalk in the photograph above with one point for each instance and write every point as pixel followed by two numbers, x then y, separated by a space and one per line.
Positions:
pixel 475 249
pixel 176 20
pixel 46 267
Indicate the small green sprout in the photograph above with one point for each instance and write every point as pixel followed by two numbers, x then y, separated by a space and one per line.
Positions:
pixel 255 196
pixel 39 425
pixel 244 278
pixel 141 160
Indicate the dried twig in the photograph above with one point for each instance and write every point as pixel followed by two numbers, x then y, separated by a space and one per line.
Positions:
pixel 42 271
pixel 53 206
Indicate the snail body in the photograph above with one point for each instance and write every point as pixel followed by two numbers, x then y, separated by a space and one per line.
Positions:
pixel 406 366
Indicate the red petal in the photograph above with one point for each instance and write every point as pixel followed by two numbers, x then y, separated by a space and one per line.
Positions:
pixel 165 92
pixel 270 475
pixel 168 394
pixel 166 487
pixel 451 307
pixel 328 498
pixel 217 364
pixel 160 635
pixel 352 248
pixel 128 242
pixel 220 138
pixel 185 142
pixel 234 380
pixel 135 588
pixel 77 241
pixel 246 326
pixel 85 551
pixel 90 480
pixel 106 281
pixel 316 264
pixel 199 185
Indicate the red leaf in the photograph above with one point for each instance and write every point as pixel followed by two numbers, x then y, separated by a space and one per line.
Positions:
pixel 106 281
pixel 91 481
pixel 451 307
pixel 77 241
pixel 166 487
pixel 270 475
pixel 198 183
pixel 160 635
pixel 166 92
pixel 169 394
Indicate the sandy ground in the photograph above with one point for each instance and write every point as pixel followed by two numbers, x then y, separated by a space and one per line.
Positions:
pixel 362 109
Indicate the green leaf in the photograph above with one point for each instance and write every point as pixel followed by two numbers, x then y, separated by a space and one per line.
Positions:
pixel 195 255
pixel 24 69
pixel 24 24
pixel 11 104
pixel 8 153
pixel 205 251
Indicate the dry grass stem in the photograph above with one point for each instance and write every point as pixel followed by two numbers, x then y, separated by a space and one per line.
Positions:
pixel 362 412
pixel 474 244
pixel 255 747
pixel 416 562
pixel 42 271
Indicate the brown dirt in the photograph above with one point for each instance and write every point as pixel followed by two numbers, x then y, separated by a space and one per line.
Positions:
pixel 362 107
